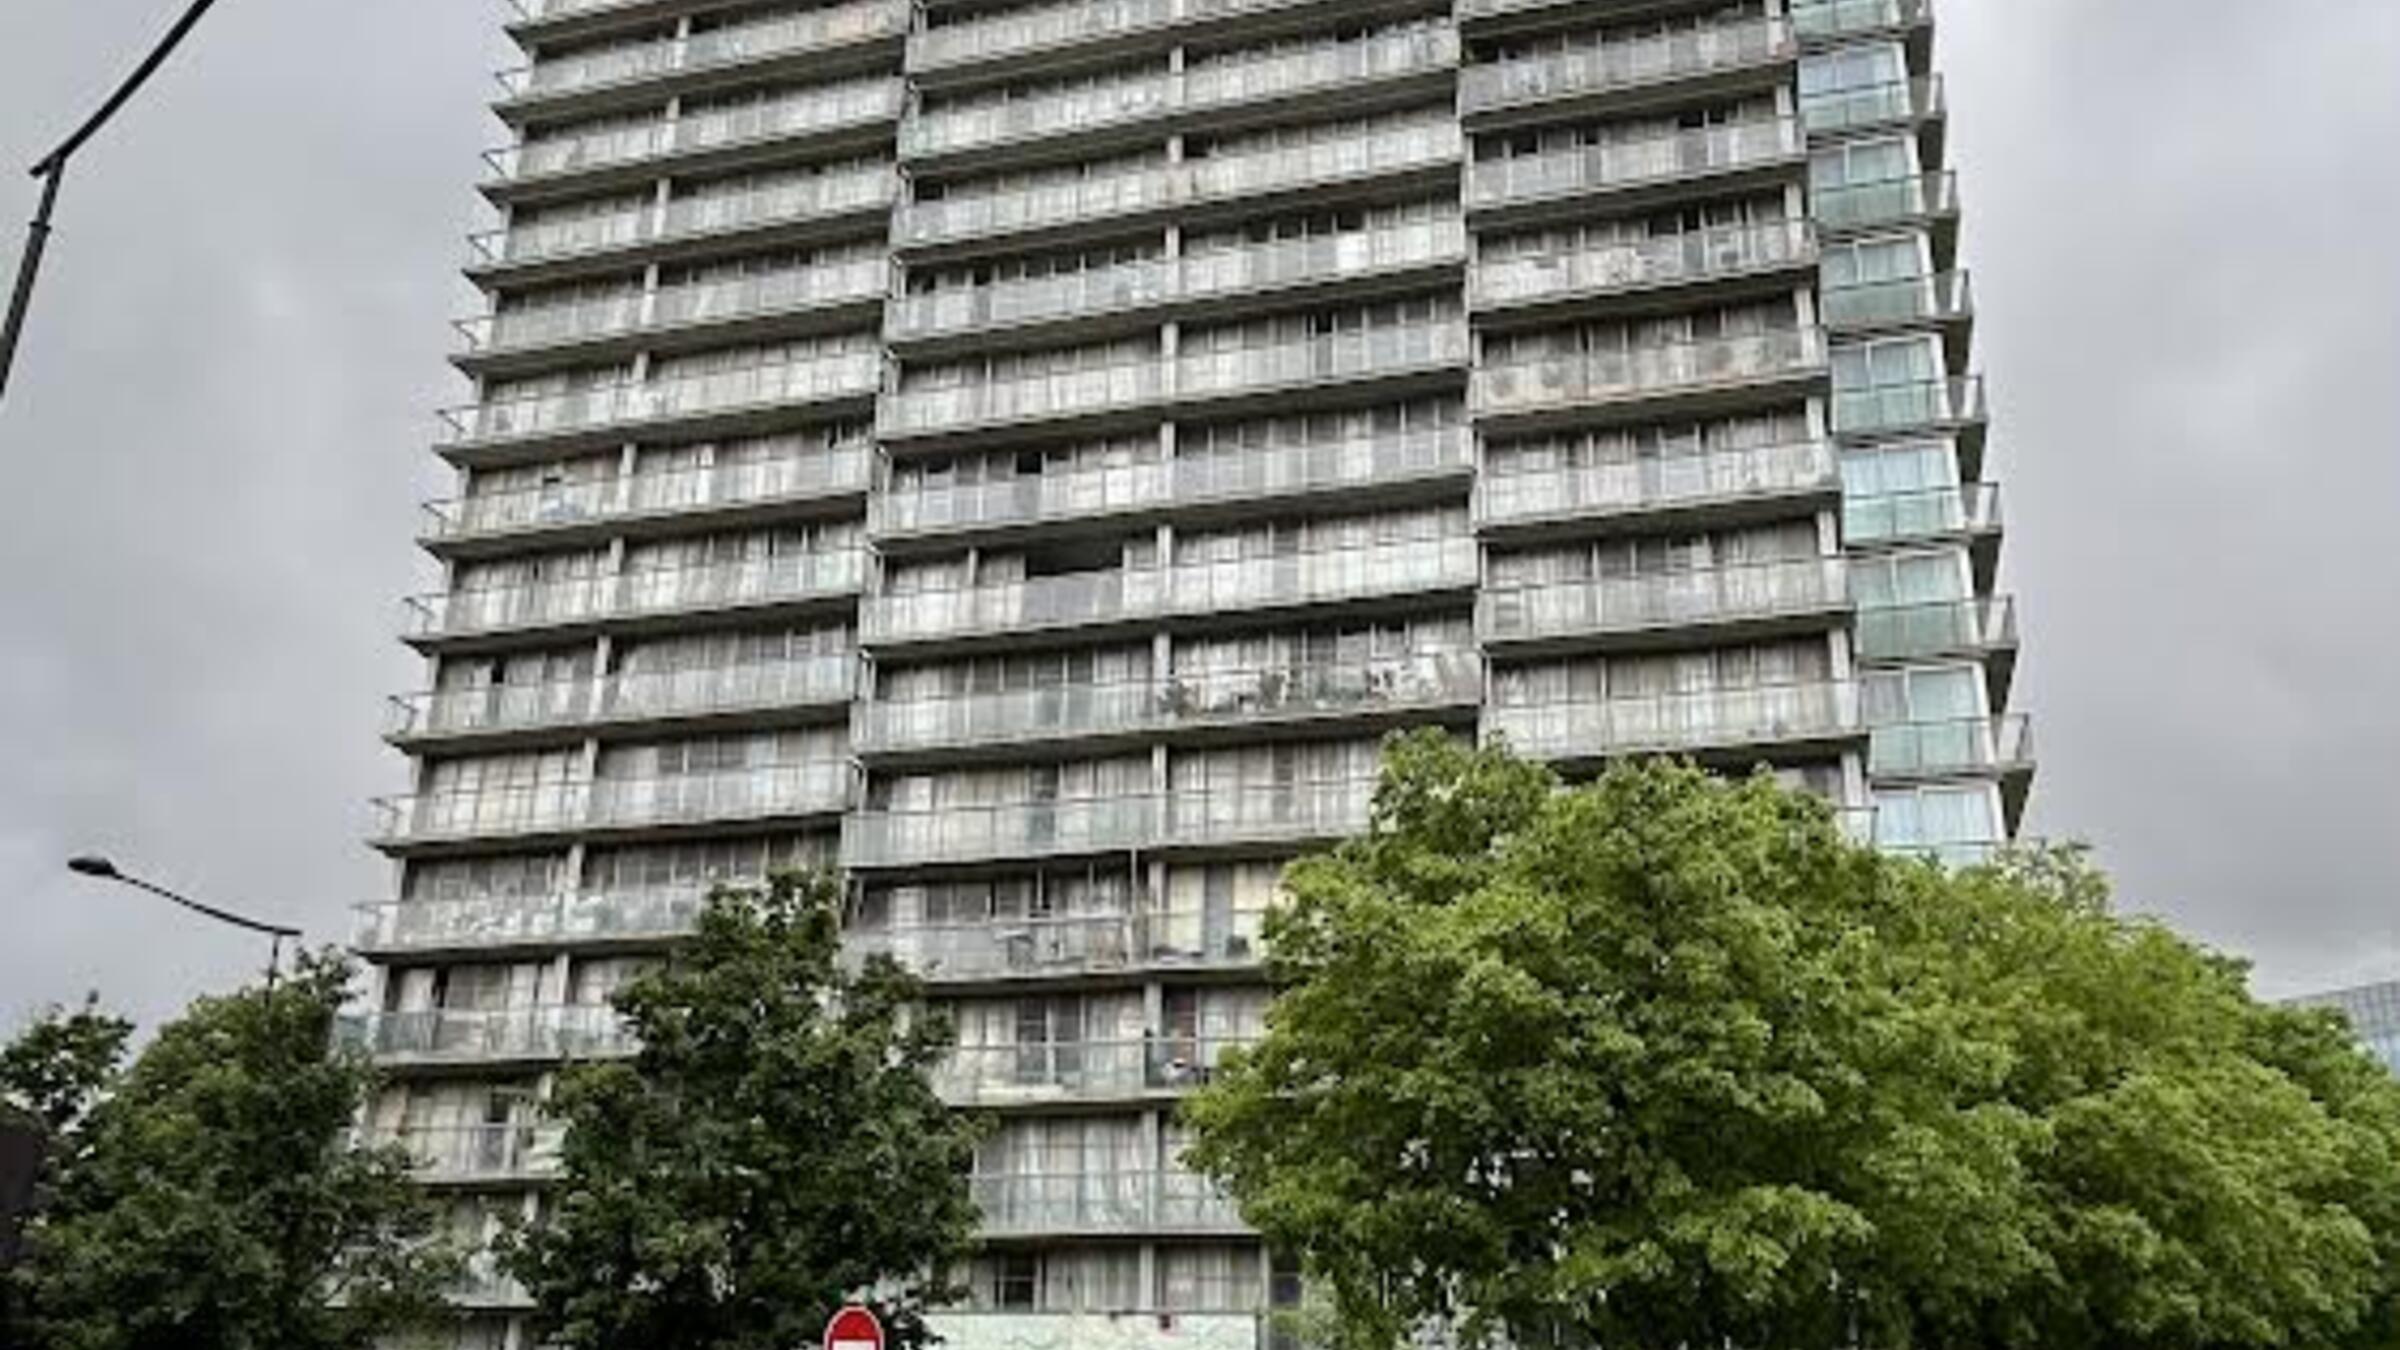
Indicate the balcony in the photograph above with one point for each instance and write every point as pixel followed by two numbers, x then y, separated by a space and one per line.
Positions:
pixel 1166 188
pixel 616 412
pixel 720 49
pixel 1968 511
pixel 469 1155
pixel 1051 947
pixel 1060 32
pixel 1567 176
pixel 598 508
pixel 1910 407
pixel 1384 688
pixel 1335 358
pixel 1623 67
pixel 611 918
pixel 1835 20
pixel 1159 284
pixel 1716 484
pixel 1046 1072
pixel 1329 68
pixel 523 710
pixel 598 601
pixel 1966 748
pixel 1982 626
pixel 473 1037
pixel 1717 723
pixel 1269 814
pixel 566 243
pixel 859 112
pixel 1693 376
pixel 1940 300
pixel 1917 198
pixel 1844 111
pixel 604 804
pixel 1802 591
pixel 612 322
pixel 984 832
pixel 928 410
pixel 1036 1205
pixel 1662 262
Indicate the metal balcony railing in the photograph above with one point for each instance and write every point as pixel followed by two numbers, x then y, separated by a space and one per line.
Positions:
pixel 689 217
pixel 1424 681
pixel 1943 297
pixel 1316 360
pixel 1823 19
pixel 1030 829
pixel 835 471
pixel 1599 168
pixel 1979 745
pixel 788 578
pixel 1566 492
pixel 1623 65
pixel 1101 1202
pixel 1679 723
pixel 1713 595
pixel 626 696
pixel 470 1036
pixel 1088 392
pixel 850 375
pixel 1667 370
pixel 1907 406
pixel 1048 946
pixel 530 920
pixel 765 293
pixel 1053 1071
pixel 1937 628
pixel 1059 27
pixel 807 113
pixel 1306 810
pixel 731 45
pixel 552 808
pixel 1161 281
pixel 479 1153
pixel 1662 260
pixel 1886 201
pixel 1946 512
pixel 1844 110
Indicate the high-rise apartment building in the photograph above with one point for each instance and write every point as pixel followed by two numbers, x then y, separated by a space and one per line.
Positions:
pixel 1031 452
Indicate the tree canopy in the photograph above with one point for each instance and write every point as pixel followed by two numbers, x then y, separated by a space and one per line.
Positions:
pixel 1667 1061
pixel 774 1148
pixel 211 1196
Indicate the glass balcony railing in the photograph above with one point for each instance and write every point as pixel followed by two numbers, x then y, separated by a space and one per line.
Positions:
pixel 1317 67
pixel 1710 595
pixel 628 696
pixel 1318 360
pixel 1939 298
pixel 1297 812
pixel 1663 260
pixel 1907 406
pixel 1415 683
pixel 1015 32
pixel 1622 65
pixel 478 1153
pixel 1599 168
pixel 787 578
pixel 1397 567
pixel 1372 154
pixel 530 920
pixel 1069 393
pixel 1319 466
pixel 549 808
pixel 1819 19
pixel 1871 106
pixel 1887 201
pixel 557 156
pixel 1977 745
pixel 1667 370
pixel 835 472
pixel 731 45
pixel 973 832
pixel 859 281
pixel 1101 1202
pixel 687 217
pixel 816 112
pixel 850 375
pixel 1905 632
pixel 1934 513
pixel 1678 723
pixel 1052 1071
pixel 1566 492
pixel 1047 946
pixel 468 1036
pixel 1159 281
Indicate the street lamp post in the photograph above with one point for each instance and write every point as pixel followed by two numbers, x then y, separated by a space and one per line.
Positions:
pixel 103 870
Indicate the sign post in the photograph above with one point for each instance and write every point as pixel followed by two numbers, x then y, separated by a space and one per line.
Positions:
pixel 854 1328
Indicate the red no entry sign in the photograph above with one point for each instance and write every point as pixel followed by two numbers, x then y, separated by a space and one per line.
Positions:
pixel 854 1328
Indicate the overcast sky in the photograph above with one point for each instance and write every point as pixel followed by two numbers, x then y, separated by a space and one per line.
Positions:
pixel 2180 217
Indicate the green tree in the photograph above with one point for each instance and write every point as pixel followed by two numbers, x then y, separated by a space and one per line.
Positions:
pixel 774 1147
pixel 210 1196
pixel 1666 1061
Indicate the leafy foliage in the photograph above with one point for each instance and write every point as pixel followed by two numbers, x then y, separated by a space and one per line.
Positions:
pixel 1666 1061
pixel 209 1196
pixel 775 1147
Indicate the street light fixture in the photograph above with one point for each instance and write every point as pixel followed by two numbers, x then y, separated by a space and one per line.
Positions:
pixel 101 869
